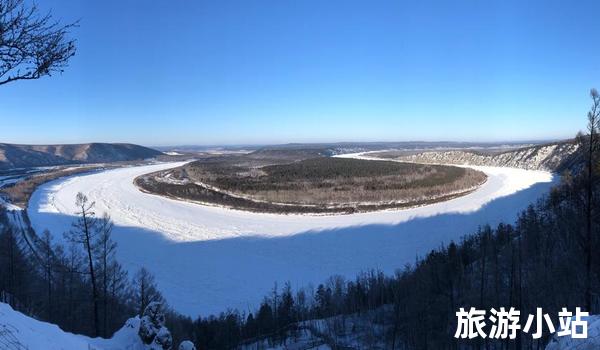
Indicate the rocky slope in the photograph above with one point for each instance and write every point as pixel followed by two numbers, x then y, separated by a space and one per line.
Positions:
pixel 23 156
pixel 551 157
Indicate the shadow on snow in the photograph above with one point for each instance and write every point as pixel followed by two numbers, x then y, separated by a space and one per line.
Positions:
pixel 206 277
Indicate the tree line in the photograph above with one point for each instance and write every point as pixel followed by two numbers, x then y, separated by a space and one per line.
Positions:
pixel 79 285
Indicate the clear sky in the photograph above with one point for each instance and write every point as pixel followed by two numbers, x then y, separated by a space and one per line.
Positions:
pixel 240 72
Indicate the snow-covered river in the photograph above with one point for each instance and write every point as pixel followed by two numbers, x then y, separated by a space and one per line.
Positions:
pixel 207 259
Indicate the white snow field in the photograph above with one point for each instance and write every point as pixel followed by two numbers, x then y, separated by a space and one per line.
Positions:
pixel 20 332
pixel 207 259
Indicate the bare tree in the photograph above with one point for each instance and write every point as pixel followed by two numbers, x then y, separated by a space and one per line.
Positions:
pixel 106 248
pixel 32 45
pixel 145 290
pixel 589 145
pixel 118 290
pixel 47 260
pixel 84 232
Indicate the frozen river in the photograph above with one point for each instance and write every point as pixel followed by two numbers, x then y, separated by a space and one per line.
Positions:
pixel 207 259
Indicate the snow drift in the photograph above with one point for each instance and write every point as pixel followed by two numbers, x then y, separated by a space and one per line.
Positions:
pixel 18 332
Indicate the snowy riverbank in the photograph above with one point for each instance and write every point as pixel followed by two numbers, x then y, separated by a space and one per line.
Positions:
pixel 208 258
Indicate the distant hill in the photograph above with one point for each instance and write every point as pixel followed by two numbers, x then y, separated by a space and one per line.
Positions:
pixel 309 150
pixel 23 156
pixel 331 148
pixel 556 156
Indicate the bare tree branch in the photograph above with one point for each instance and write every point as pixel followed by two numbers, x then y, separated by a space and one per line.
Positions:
pixel 31 45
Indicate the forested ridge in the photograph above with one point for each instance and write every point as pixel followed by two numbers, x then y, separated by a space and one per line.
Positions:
pixel 313 185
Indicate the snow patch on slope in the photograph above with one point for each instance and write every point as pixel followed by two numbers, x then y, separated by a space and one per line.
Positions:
pixel 20 332
pixel 547 157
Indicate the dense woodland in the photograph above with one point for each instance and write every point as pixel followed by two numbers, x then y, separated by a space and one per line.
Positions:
pixel 314 185
pixel 53 282
pixel 329 175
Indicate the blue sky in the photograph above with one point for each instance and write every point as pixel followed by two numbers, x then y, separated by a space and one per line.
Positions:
pixel 255 72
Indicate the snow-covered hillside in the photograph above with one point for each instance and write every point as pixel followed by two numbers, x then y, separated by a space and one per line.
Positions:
pixel 26 156
pixel 546 157
pixel 369 330
pixel 592 342
pixel 20 332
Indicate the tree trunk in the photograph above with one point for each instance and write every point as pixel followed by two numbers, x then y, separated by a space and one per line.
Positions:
pixel 105 292
pixel 92 275
pixel 588 226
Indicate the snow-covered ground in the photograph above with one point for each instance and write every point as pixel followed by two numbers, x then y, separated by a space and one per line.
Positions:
pixel 592 342
pixel 207 259
pixel 20 332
